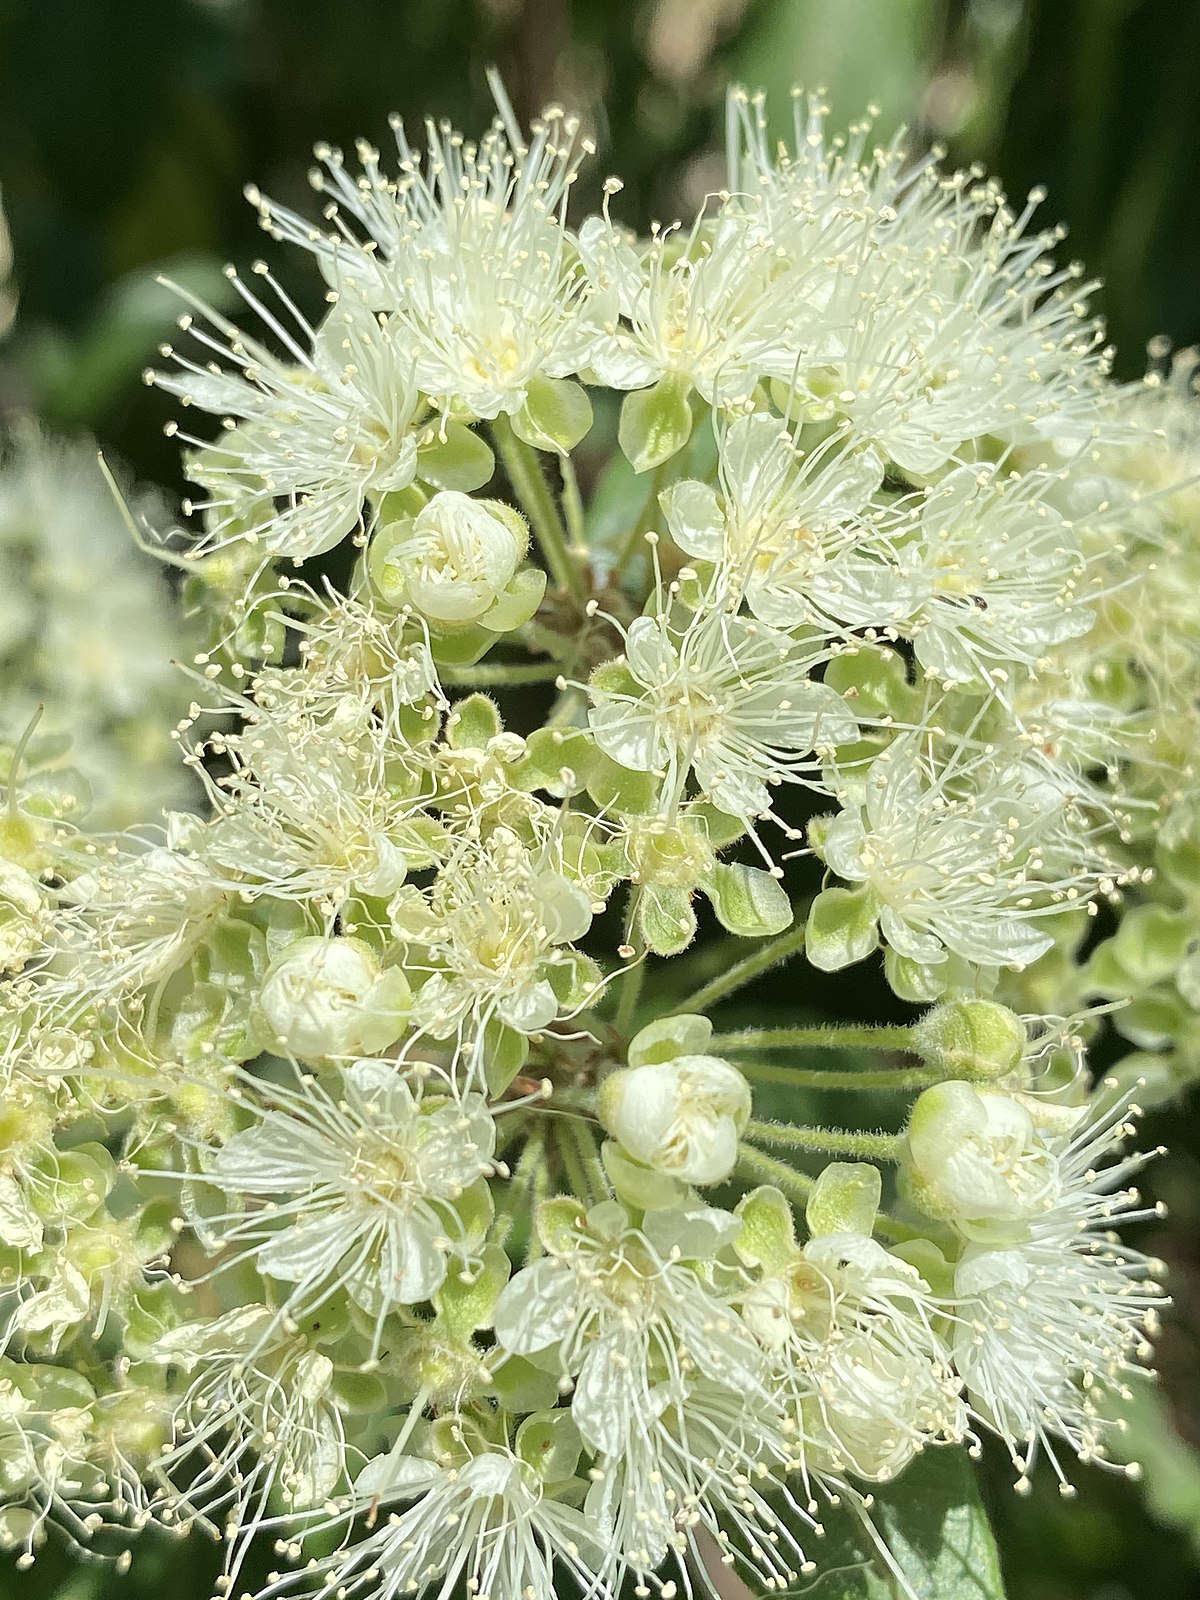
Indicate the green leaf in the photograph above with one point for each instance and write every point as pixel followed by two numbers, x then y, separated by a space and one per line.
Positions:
pixel 932 1525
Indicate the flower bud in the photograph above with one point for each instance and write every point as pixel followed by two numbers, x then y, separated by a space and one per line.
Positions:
pixel 451 561
pixel 975 1039
pixel 976 1158
pixel 680 1117
pixel 328 997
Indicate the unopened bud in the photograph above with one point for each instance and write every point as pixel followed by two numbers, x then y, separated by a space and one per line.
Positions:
pixel 974 1039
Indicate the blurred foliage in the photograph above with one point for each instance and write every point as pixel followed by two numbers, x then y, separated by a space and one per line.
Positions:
pixel 127 128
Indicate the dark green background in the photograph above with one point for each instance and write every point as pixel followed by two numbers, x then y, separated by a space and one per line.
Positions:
pixel 128 127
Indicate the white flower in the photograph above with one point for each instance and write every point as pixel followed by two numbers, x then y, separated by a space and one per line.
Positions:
pixel 938 319
pixel 493 929
pixel 455 558
pixel 718 698
pixel 1049 1326
pixel 617 1305
pixel 849 1330
pixel 485 1524
pixel 670 1387
pixel 978 1157
pixel 951 851
pixel 681 1117
pixel 88 633
pixel 321 801
pixel 781 521
pixel 363 1189
pixel 699 311
pixel 989 577
pixel 471 258
pixel 258 1420
pixel 146 911
pixel 316 433
pixel 48 1471
pixel 329 997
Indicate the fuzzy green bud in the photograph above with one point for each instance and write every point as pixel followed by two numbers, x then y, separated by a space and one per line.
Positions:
pixel 975 1039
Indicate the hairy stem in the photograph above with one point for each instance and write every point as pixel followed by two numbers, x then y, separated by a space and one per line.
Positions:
pixel 742 972
pixel 529 484
pixel 827 1141
pixel 498 674
pixel 822 1036
pixel 632 978
pixel 753 1164
pixel 898 1080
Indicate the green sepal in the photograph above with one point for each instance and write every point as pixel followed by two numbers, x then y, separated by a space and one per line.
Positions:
pixel 655 423
pixel 464 1306
pixel 721 828
pixel 638 1186
pixel 669 1037
pixel 549 1442
pixel 473 723
pixel 558 1220
pixel 505 1052
pixel 665 919
pixel 845 1199
pixel 516 605
pixel 358 1393
pixel 574 977
pixel 520 1386
pixel 557 760
pixel 460 647
pixel 747 900
pixel 455 457
pixel 919 982
pixel 874 678
pixel 615 788
pixel 1150 943
pixel 768 1236
pixel 842 927
pixel 556 415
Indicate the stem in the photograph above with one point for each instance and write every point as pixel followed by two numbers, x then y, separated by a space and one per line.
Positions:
pixel 596 1186
pixel 569 1155
pixel 754 1164
pixel 899 1079
pixel 744 971
pixel 530 486
pixel 517 1193
pixel 633 976
pixel 827 1141
pixel 646 516
pixel 888 1227
pixel 497 674
pixel 573 503
pixel 822 1036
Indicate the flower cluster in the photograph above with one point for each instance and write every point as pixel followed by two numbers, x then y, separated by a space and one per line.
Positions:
pixel 351 1182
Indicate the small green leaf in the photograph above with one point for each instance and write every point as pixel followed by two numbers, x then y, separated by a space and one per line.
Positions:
pixel 505 1053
